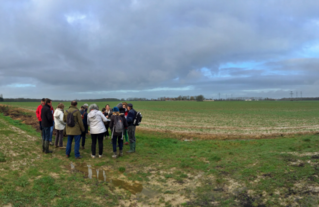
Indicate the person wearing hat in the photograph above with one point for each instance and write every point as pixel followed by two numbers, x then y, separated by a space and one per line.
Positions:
pixel 117 125
pixel 131 127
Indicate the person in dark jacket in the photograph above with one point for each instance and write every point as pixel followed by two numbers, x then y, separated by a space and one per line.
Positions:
pixel 117 120
pixel 85 123
pixel 108 115
pixel 47 123
pixel 74 132
pixel 131 127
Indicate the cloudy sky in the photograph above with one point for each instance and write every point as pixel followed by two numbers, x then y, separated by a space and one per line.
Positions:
pixel 141 48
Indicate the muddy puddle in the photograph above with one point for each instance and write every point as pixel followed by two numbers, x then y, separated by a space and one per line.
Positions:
pixel 104 175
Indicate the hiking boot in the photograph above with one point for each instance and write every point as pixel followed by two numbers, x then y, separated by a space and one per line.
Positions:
pixel 100 156
pixel 83 147
pixel 93 156
pixel 114 155
pixel 126 143
pixel 46 146
pixel 121 153
pixel 67 156
pixel 78 157
pixel 51 143
pixel 131 148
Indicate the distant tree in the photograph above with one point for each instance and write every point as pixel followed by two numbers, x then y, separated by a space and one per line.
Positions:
pixel 192 98
pixel 200 98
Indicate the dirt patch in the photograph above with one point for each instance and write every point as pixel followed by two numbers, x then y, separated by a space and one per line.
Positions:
pixel 22 115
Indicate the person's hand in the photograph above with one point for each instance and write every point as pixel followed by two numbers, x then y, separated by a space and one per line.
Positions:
pixel 107 117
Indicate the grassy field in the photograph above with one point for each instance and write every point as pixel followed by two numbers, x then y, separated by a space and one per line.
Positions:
pixel 164 171
pixel 223 119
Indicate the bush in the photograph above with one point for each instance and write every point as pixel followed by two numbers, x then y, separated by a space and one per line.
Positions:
pixel 200 98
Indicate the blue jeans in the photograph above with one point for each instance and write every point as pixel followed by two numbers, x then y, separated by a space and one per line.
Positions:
pixel 77 139
pixel 51 132
pixel 120 142
pixel 46 133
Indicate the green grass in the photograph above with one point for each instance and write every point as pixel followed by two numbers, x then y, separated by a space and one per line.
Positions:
pixel 224 118
pixel 224 172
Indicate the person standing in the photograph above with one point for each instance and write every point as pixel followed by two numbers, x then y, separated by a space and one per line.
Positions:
pixel 131 127
pixel 85 124
pixel 51 129
pixel 47 123
pixel 96 120
pixel 59 125
pixel 125 115
pixel 74 129
pixel 108 115
pixel 117 125
pixel 38 113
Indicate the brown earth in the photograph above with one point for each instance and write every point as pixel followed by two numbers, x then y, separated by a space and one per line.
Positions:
pixel 29 118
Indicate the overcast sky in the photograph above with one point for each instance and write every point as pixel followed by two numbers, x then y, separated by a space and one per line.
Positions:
pixel 144 48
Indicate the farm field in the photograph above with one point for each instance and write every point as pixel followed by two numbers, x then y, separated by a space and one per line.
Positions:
pixel 165 171
pixel 222 120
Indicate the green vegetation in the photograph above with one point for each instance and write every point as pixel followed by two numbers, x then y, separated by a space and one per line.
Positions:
pixel 246 119
pixel 269 172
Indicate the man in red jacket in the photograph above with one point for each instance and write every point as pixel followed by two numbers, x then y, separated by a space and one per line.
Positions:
pixel 38 113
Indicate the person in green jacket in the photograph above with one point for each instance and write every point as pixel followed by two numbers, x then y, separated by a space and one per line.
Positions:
pixel 73 131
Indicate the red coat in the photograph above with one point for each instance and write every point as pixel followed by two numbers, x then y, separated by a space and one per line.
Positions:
pixel 38 112
pixel 52 110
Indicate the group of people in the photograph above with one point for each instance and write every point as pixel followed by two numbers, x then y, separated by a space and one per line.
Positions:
pixel 77 123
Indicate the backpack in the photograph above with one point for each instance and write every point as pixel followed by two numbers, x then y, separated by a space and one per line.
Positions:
pixel 118 127
pixel 70 119
pixel 138 119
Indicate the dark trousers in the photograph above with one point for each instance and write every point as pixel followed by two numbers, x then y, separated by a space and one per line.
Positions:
pixel 131 133
pixel 83 138
pixel 59 138
pixel 46 133
pixel 40 123
pixel 106 134
pixel 119 139
pixel 99 138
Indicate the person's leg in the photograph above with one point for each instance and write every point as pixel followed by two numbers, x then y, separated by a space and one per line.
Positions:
pixel 77 139
pixel 134 138
pixel 93 146
pixel 83 139
pixel 126 136
pixel 120 143
pixel 51 133
pixel 60 138
pixel 46 134
pixel 40 124
pixel 107 132
pixel 57 138
pixel 131 135
pixel 69 145
pixel 114 139
pixel 100 139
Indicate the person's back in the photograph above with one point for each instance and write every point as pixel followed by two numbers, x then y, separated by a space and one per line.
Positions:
pixel 47 123
pixel 78 127
pixel 96 121
pixel 74 129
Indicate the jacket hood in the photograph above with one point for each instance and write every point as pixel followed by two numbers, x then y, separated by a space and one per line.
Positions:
pixel 93 114
pixel 57 112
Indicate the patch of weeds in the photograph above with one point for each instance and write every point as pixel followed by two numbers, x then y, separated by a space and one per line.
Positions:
pixel 306 140
pixel 2 157
pixel 22 181
pixel 215 158
pixel 122 169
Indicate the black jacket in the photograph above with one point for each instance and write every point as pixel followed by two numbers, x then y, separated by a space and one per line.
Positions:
pixel 112 123
pixel 130 117
pixel 46 116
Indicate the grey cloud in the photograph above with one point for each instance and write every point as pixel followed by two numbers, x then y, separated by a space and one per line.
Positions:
pixel 142 45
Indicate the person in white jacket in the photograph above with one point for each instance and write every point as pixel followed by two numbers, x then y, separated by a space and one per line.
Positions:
pixel 96 121
pixel 59 125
